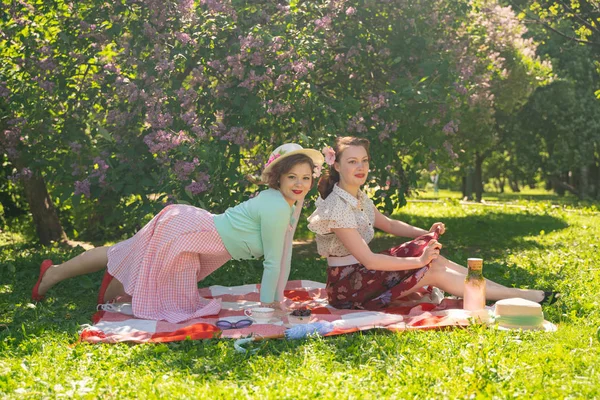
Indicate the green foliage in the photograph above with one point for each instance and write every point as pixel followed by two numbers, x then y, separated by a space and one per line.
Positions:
pixel 507 71
pixel 534 245
pixel 556 132
pixel 125 106
pixel 573 20
pixel 129 105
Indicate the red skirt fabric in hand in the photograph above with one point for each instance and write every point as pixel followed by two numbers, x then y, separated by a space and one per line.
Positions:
pixel 356 287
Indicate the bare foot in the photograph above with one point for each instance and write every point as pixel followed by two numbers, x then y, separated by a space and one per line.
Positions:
pixel 533 295
pixel 539 296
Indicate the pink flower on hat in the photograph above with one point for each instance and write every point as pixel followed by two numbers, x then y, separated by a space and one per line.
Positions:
pixel 329 154
pixel 272 158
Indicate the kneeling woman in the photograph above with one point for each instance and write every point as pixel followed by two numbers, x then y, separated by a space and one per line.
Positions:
pixel 160 266
pixel 344 223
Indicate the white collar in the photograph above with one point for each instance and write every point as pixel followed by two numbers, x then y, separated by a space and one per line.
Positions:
pixel 353 201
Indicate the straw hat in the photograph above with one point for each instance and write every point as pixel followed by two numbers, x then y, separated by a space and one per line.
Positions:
pixel 523 314
pixel 289 149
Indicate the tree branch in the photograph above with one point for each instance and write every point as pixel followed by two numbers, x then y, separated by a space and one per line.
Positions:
pixel 583 21
pixel 75 103
pixel 574 39
pixel 548 26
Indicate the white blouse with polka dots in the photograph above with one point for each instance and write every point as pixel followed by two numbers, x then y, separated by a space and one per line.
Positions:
pixel 341 210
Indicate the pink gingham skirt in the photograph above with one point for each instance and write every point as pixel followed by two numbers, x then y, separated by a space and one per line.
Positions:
pixel 161 265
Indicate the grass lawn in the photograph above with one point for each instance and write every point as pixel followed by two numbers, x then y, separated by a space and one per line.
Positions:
pixel 535 246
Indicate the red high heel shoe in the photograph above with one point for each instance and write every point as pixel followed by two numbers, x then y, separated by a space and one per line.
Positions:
pixel 105 281
pixel 35 296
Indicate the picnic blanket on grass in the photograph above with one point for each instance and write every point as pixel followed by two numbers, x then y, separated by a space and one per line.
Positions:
pixel 426 309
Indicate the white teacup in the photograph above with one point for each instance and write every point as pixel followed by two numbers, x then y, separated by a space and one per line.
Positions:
pixel 260 314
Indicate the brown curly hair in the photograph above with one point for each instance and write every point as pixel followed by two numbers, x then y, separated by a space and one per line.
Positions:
pixel 331 177
pixel 284 166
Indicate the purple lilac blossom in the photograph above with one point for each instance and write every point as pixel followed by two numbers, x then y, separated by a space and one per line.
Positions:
pixel 163 141
pixel 4 91
pixel 450 128
pixel 75 147
pixel 184 169
pixel 200 184
pixel 82 187
pixel 323 23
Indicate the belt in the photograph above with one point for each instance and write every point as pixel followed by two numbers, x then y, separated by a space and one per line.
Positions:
pixel 342 261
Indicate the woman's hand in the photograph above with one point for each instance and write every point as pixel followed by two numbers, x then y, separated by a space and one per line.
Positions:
pixel 439 225
pixel 275 304
pixel 431 252
pixel 287 305
pixel 282 308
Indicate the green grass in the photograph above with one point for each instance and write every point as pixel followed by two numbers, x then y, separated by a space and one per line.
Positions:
pixel 508 197
pixel 537 246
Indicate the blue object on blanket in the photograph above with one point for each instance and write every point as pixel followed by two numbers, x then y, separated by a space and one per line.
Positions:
pixel 320 328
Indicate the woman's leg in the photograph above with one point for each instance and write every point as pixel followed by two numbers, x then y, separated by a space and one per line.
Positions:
pixel 450 277
pixel 452 265
pixel 534 295
pixel 91 261
pixel 114 290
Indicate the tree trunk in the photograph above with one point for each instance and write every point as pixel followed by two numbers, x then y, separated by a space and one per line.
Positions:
pixel 478 177
pixel 468 184
pixel 574 179
pixel 501 184
pixel 557 184
pixel 42 209
pixel 584 182
pixel 560 187
pixel 595 180
pixel 40 203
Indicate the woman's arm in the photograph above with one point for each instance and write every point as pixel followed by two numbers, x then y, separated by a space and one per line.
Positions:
pixel 395 227
pixel 273 226
pixel 352 240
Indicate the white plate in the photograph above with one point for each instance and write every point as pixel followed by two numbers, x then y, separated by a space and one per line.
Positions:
pixel 272 321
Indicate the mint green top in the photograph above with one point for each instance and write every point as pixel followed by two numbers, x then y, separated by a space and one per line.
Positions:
pixel 262 226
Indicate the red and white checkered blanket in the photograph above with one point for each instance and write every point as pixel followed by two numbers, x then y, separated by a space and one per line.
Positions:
pixel 423 310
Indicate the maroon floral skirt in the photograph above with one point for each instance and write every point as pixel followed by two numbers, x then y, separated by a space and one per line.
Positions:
pixel 356 287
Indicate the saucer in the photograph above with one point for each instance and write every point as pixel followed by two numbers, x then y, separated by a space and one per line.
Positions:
pixel 272 321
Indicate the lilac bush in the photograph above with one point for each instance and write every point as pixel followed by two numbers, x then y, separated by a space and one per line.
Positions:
pixel 136 103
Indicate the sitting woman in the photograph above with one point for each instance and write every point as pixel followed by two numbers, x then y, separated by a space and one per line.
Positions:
pixel 161 265
pixel 344 223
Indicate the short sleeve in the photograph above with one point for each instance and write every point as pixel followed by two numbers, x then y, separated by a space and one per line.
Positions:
pixel 331 213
